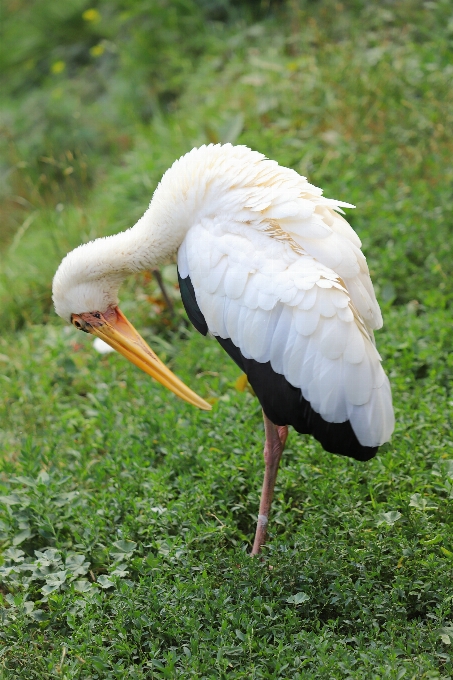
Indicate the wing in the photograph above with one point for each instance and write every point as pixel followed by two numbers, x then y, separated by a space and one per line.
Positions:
pixel 277 303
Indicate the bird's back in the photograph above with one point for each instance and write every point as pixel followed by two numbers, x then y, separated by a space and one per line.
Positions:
pixel 279 273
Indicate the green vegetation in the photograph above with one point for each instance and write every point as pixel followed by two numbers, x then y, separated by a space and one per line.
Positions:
pixel 126 515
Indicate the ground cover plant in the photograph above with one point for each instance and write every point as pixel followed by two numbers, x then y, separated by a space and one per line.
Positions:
pixel 126 516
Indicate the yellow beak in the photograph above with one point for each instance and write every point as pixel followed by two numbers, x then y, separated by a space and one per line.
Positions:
pixel 116 331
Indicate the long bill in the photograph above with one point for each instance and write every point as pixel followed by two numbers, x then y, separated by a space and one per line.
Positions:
pixel 114 329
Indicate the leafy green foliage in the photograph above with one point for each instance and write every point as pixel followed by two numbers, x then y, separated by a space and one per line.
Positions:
pixel 125 515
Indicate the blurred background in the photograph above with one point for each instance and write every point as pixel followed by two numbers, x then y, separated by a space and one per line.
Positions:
pixel 100 98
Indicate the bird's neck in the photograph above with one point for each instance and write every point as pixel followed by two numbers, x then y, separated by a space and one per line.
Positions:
pixel 198 185
pixel 151 241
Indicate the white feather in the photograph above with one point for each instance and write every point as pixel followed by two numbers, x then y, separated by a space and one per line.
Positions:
pixel 308 300
pixel 307 320
pixel 282 331
pixel 274 266
pixel 334 338
pixel 319 346
pixel 235 280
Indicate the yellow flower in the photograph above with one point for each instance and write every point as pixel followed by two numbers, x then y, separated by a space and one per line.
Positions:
pixel 58 67
pixel 97 50
pixel 91 15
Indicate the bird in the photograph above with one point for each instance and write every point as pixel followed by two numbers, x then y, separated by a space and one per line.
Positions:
pixel 272 270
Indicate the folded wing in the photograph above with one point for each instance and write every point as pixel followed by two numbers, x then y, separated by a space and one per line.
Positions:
pixel 278 302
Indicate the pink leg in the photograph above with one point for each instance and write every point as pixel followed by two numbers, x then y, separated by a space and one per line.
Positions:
pixel 273 448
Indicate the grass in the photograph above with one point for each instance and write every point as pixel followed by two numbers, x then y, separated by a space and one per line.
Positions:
pixel 158 503
pixel 126 516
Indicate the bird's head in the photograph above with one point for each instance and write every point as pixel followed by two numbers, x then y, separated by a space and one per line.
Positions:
pixel 85 292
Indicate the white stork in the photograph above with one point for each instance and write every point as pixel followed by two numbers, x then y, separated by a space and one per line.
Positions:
pixel 270 268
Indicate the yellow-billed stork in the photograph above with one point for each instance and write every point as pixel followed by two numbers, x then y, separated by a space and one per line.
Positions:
pixel 272 270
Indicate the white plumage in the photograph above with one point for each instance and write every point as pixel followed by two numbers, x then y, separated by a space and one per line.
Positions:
pixel 275 268
pixel 305 303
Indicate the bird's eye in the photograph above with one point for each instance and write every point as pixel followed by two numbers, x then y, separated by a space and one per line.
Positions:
pixel 97 315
